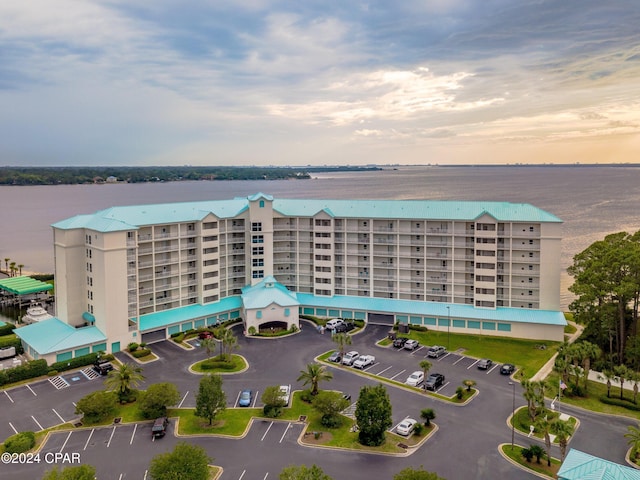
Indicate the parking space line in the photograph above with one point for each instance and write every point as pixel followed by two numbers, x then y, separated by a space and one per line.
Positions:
pixel 112 432
pixel 120 477
pixel 255 398
pixel 417 349
pixel 449 353
pixel 265 476
pixel 242 475
pixel 13 428
pixel 443 386
pixel 135 427
pixel 285 432
pixel 370 366
pixel 145 475
pixel 399 373
pixel 183 399
pixel 34 393
pixel 459 360
pixel 65 443
pixel 61 419
pixel 380 373
pixel 90 435
pixel 237 399
pixel 34 419
pixel 494 367
pixel 5 392
pixel 265 434
pixel 472 364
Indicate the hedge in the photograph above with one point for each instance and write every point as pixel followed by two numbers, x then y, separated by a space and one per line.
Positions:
pixel 142 352
pixel 217 364
pixel 20 442
pixel 12 342
pixel 628 404
pixel 75 362
pixel 7 329
pixel 32 369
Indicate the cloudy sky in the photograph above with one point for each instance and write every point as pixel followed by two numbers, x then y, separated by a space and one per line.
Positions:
pixel 160 82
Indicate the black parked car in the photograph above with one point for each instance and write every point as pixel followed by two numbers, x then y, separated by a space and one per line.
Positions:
pixel 507 369
pixel 399 342
pixel 345 327
pixel 335 357
pixel 159 427
pixel 103 367
pixel 484 364
pixel 434 381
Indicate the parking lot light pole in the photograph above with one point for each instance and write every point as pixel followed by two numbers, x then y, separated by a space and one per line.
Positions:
pixel 513 413
pixel 448 327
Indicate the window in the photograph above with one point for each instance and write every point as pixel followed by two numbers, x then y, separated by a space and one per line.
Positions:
pixel 210 250
pixel 257 250
pixel 531 229
pixel 257 274
pixel 257 239
pixel 209 225
pixel 258 262
pixel 261 204
pixel 256 227
pixel 212 238
pixel 259 314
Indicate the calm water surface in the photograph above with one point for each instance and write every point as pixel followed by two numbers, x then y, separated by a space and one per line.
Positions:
pixel 592 201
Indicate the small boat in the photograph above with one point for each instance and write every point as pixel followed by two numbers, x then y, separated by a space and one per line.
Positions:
pixel 36 313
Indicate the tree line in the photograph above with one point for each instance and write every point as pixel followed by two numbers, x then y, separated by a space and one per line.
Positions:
pixel 90 175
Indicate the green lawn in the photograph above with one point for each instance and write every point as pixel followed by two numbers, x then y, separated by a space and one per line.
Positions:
pixel 233 421
pixel 592 400
pixel 523 353
pixel 523 421
pixel 515 455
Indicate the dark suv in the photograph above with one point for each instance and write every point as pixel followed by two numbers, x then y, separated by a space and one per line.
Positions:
pixel 103 367
pixel 434 381
pixel 159 427
pixel 399 342
pixel 345 327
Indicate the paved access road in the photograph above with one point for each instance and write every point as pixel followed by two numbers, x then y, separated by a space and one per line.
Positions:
pixel 465 445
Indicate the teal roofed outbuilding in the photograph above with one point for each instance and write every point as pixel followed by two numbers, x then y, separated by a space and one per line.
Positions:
pixel 266 292
pixel 53 335
pixel 581 466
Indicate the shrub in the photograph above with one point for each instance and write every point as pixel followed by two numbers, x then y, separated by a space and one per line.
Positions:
pixel 418 328
pixel 20 442
pixel 331 421
pixel 143 352
pixel 32 369
pixel 293 329
pixel 625 403
pixel 216 363
pixel 132 347
pixel 252 330
pixel 178 338
pixel 143 344
pixel 272 411
pixel 418 429
pixel 306 396
pixel 527 454
pixel 11 341
pixel 52 373
pixel 459 393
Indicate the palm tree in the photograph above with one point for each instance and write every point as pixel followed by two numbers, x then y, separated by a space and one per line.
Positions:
pixel 6 264
pixel 228 341
pixel 124 378
pixel 532 395
pixel 314 374
pixel 607 375
pixel 562 431
pixel 591 352
pixel 427 414
pixel 468 384
pixel 425 365
pixel 622 372
pixel 12 267
pixel 342 340
pixel 20 267
pixel 543 425
pixel 633 436
pixel 209 344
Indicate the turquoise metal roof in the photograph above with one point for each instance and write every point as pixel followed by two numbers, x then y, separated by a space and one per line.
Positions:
pixel 266 292
pixel 410 209
pixel 413 307
pixel 131 217
pixel 157 320
pixel 578 465
pixel 24 285
pixel 53 335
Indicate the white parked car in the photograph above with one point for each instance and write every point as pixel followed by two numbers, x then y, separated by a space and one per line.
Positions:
pixel 406 427
pixel 350 357
pixel 415 379
pixel 285 392
pixel 364 361
pixel 333 323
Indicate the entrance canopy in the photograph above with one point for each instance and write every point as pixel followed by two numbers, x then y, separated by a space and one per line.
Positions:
pixel 24 285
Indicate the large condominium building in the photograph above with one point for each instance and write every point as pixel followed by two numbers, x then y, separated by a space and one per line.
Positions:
pixel 141 273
